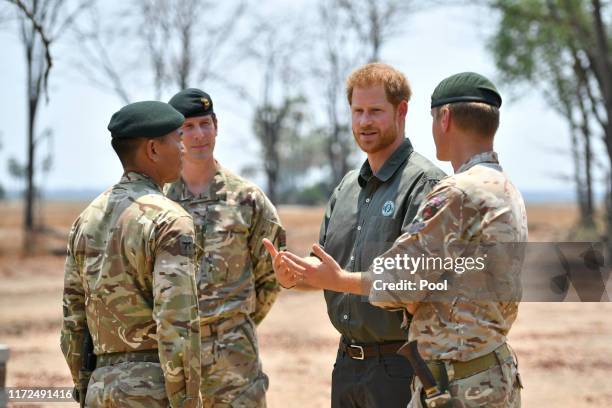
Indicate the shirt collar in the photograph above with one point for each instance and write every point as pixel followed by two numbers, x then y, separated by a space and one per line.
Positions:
pixel 136 177
pixel 214 191
pixel 489 158
pixel 388 169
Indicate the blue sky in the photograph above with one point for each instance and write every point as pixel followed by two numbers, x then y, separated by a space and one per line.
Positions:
pixel 433 44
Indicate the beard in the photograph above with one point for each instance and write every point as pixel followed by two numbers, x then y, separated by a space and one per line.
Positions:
pixel 381 141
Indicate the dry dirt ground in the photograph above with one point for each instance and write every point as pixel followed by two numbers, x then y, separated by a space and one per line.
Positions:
pixel 565 349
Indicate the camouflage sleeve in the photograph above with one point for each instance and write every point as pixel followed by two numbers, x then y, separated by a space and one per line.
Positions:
pixel 266 224
pixel 440 228
pixel 73 304
pixel 175 311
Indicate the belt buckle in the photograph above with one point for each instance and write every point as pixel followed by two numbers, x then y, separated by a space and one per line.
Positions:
pixel 437 398
pixel 360 348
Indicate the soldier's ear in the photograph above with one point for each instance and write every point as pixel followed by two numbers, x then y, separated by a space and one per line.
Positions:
pixel 445 118
pixel 152 149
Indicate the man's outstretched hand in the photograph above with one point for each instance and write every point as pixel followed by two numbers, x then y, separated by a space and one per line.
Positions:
pixel 286 277
pixel 323 273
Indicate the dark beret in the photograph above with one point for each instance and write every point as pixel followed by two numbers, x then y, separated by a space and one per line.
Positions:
pixel 466 87
pixel 192 102
pixel 147 119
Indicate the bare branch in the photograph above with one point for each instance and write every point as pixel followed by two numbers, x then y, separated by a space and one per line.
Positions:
pixel 43 37
pixel 70 19
pixel 99 61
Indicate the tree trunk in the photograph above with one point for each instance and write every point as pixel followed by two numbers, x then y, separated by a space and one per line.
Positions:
pixel 272 174
pixel 609 190
pixel 30 193
pixel 32 94
pixel 589 216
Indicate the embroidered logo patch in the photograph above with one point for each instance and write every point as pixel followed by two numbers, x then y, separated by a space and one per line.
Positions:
pixel 432 207
pixel 186 245
pixel 388 208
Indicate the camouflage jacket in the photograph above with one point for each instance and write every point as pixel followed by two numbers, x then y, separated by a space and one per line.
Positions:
pixel 130 276
pixel 464 214
pixel 235 273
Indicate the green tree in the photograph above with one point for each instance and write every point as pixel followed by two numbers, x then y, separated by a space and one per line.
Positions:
pixel 563 47
pixel 289 151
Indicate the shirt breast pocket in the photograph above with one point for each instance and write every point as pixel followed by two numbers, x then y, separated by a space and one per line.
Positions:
pixel 225 248
pixel 383 231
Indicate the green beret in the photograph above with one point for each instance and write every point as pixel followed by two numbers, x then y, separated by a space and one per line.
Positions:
pixel 192 102
pixel 466 87
pixel 147 119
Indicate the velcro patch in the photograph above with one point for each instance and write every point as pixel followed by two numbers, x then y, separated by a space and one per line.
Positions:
pixel 186 245
pixel 282 240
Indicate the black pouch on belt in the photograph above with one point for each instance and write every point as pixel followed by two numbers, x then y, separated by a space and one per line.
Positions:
pixel 436 395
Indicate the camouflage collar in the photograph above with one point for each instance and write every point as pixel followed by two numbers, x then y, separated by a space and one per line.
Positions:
pixel 135 177
pixel 214 192
pixel 489 158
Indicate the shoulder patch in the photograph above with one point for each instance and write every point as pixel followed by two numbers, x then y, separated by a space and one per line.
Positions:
pixel 186 245
pixel 432 207
pixel 282 240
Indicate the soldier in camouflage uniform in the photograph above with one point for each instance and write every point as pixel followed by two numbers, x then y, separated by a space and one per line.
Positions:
pixel 236 283
pixel 461 339
pixel 130 275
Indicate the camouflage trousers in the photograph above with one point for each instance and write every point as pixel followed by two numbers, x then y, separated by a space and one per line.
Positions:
pixel 231 370
pixel 497 387
pixel 129 385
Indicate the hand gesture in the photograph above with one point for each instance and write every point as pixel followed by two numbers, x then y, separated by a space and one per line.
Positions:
pixel 325 274
pixel 285 276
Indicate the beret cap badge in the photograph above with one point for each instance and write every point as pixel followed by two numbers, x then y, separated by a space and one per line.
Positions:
pixel 205 102
pixel 192 102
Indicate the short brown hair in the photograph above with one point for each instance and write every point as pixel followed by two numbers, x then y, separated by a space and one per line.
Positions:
pixel 396 85
pixel 478 117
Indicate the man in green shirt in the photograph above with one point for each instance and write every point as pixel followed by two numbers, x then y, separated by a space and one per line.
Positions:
pixel 475 219
pixel 368 211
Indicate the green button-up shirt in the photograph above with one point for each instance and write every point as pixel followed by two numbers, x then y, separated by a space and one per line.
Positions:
pixel 366 213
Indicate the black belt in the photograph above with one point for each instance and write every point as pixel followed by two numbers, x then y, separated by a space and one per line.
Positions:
pixel 363 351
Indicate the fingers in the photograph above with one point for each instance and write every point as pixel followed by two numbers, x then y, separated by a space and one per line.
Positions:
pixel 320 252
pixel 286 276
pixel 289 271
pixel 285 272
pixel 296 260
pixel 289 267
pixel 270 247
pixel 297 269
